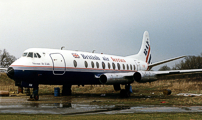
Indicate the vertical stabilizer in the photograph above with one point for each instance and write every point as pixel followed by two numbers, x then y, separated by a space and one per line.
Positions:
pixel 145 50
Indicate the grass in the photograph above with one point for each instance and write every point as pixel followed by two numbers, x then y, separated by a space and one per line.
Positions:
pixel 137 116
pixel 143 93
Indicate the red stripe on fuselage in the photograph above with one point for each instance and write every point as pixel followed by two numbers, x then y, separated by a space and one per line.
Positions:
pixel 148 55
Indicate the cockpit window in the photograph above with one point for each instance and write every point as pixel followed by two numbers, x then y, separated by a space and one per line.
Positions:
pixel 24 54
pixel 30 54
pixel 38 55
pixel 35 56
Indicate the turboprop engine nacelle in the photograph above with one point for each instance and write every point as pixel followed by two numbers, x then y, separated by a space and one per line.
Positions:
pixel 144 76
pixel 117 78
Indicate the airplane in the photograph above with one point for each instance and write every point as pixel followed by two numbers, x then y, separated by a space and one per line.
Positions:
pixel 67 68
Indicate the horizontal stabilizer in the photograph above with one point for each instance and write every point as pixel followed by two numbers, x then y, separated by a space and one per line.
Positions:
pixel 164 61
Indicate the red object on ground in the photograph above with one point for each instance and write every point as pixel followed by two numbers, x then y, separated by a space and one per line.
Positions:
pixel 163 102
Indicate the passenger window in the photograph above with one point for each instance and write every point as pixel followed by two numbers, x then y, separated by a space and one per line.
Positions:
pixel 75 63
pixel 123 67
pixel 103 65
pixel 109 66
pixel 35 56
pixel 127 67
pixel 24 54
pixel 86 64
pixel 97 64
pixel 118 65
pixel 30 54
pixel 134 67
pixel 131 67
pixel 38 55
pixel 113 65
pixel 92 64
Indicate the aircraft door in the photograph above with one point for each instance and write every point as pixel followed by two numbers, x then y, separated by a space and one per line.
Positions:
pixel 59 65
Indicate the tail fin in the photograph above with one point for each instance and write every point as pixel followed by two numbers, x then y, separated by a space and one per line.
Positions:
pixel 145 50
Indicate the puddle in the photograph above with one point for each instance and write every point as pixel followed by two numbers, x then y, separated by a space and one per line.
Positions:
pixel 56 108
pixel 81 105
pixel 72 109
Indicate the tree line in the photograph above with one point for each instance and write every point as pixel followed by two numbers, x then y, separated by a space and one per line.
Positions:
pixel 189 62
pixel 6 59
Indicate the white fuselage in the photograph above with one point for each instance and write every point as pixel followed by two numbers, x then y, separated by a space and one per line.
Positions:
pixel 53 58
pixel 52 66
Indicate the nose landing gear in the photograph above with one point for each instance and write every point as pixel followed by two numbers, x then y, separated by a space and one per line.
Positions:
pixel 35 95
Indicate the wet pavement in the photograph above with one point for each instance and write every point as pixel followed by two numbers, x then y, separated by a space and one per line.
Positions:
pixel 48 104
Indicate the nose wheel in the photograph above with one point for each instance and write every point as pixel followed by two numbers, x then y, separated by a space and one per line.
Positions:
pixel 124 93
pixel 35 95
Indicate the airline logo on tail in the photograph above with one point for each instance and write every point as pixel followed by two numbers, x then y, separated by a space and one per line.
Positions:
pixel 147 52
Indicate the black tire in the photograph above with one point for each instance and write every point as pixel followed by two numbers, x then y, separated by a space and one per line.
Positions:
pixel 124 93
pixel 66 90
pixel 31 96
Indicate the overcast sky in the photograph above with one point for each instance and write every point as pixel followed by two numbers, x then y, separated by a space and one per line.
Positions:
pixel 108 26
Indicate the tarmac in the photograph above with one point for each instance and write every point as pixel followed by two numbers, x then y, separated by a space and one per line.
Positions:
pixel 73 105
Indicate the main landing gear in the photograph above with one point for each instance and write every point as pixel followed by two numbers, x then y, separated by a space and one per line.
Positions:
pixel 35 94
pixel 66 90
pixel 124 93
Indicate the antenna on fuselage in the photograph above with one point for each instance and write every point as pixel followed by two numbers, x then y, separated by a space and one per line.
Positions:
pixel 62 47
pixel 93 51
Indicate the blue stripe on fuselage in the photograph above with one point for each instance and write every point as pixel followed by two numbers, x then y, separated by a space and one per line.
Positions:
pixel 149 59
pixel 47 77
pixel 74 76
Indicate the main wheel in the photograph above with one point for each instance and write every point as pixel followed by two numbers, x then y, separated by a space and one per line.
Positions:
pixel 124 93
pixel 66 90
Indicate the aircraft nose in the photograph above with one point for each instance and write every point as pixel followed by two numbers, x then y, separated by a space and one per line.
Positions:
pixel 10 72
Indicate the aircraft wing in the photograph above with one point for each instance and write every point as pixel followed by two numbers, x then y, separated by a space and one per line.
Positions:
pixel 176 72
pixel 140 76
pixel 150 76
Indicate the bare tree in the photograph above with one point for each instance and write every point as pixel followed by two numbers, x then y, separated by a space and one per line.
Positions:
pixel 190 62
pixel 6 59
pixel 164 68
